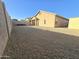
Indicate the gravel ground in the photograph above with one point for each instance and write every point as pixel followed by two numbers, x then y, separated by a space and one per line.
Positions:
pixel 33 43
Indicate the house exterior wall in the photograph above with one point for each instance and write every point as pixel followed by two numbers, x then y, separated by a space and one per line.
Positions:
pixel 73 23
pixel 61 21
pixel 28 22
pixel 33 21
pixel 4 32
pixel 46 19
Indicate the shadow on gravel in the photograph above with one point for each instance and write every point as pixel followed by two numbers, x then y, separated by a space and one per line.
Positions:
pixel 32 43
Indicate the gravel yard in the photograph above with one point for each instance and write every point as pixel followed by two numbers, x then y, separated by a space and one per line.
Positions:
pixel 33 43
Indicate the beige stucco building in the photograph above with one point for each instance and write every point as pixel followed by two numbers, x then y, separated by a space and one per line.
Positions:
pixel 47 19
pixel 74 23
pixel 5 27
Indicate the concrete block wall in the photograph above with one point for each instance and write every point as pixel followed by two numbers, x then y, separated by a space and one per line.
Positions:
pixel 9 22
pixel 73 23
pixel 5 27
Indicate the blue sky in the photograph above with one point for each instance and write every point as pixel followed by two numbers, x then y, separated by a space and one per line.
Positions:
pixel 26 8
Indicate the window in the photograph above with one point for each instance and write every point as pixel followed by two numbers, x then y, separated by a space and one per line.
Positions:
pixel 44 21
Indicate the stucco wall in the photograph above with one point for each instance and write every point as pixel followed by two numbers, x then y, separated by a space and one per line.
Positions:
pixel 73 23
pixel 49 19
pixel 4 32
pixel 61 22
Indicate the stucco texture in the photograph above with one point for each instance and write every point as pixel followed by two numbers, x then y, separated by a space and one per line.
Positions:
pixel 61 21
pixel 49 19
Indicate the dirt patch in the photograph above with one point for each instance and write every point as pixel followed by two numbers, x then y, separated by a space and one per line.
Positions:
pixel 33 43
